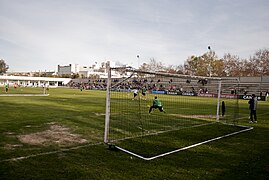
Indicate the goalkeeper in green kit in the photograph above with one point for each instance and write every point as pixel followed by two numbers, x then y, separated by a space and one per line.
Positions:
pixel 156 104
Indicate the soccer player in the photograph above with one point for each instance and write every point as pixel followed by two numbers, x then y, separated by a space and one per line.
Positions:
pixel 252 108
pixel 156 104
pixel 135 91
pixel 144 90
pixel 7 88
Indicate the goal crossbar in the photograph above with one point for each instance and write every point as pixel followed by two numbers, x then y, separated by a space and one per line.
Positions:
pixel 131 69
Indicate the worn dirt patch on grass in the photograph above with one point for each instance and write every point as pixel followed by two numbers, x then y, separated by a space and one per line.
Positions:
pixel 56 134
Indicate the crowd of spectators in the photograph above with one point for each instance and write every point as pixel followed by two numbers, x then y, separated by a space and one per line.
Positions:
pixel 154 84
pixel 178 86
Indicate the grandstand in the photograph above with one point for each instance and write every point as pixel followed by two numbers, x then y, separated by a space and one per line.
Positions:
pixel 230 85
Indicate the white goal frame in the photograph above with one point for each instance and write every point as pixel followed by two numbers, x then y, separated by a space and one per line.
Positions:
pixel 130 69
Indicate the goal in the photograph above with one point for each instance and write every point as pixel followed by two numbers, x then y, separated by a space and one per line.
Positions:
pixel 193 110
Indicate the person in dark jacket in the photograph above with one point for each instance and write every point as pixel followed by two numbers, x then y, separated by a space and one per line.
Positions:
pixel 253 102
pixel 223 109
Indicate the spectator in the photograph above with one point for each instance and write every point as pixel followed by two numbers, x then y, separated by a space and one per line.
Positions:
pixel 253 102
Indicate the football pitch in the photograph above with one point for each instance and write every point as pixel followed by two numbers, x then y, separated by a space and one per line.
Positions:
pixel 60 136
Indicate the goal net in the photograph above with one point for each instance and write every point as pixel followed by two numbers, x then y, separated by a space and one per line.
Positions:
pixel 150 114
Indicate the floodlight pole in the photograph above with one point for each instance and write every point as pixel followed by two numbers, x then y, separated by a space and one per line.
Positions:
pixel 107 117
pixel 209 56
pixel 138 62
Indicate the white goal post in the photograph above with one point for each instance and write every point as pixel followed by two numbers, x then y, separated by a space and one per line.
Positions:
pixel 190 105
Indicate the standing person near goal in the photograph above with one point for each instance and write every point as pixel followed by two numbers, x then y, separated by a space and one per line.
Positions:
pixel 223 109
pixel 252 108
pixel 156 104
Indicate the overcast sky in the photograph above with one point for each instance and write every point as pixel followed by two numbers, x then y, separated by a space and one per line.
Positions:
pixel 40 34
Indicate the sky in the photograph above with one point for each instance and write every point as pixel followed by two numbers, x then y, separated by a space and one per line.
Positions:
pixel 39 35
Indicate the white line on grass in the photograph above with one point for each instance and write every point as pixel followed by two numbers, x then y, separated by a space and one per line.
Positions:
pixel 182 149
pixel 49 153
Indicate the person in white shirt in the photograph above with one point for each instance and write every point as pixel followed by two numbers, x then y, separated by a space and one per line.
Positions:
pixel 135 91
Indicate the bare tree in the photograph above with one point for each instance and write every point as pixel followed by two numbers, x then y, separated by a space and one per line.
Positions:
pixel 260 61
pixel 175 69
pixel 232 65
pixel 256 65
pixel 153 66
pixel 3 66
pixel 248 68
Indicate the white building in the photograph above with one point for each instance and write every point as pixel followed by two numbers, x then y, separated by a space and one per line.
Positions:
pixel 27 81
pixel 68 69
pixel 86 71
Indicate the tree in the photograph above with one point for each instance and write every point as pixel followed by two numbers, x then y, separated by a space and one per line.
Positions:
pixel 194 66
pixel 261 61
pixel 256 65
pixel 206 65
pixel 175 69
pixel 247 68
pixel 218 67
pixel 153 66
pixel 214 64
pixel 3 67
pixel 75 76
pixel 232 65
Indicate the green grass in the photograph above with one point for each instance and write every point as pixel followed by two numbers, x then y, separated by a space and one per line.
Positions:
pixel 243 156
pixel 22 90
pixel 187 121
